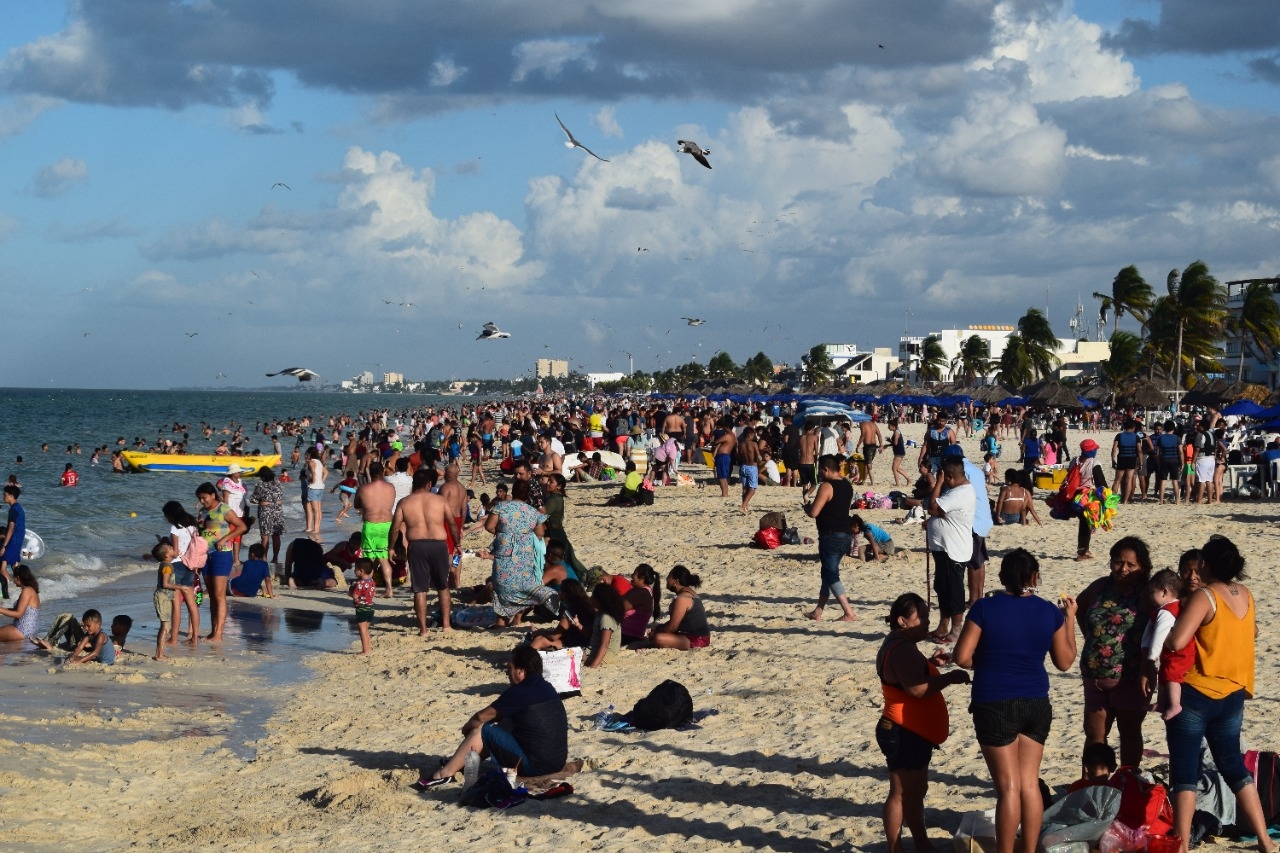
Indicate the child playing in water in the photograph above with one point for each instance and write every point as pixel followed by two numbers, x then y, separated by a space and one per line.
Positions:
pixel 1163 590
pixel 347 486
pixel 96 645
pixel 362 592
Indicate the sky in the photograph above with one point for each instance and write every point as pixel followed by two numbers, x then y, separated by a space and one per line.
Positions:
pixel 198 192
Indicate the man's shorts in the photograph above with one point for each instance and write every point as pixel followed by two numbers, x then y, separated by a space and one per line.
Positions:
pixel 1128 464
pixel 1112 695
pixel 750 476
pixel 999 723
pixel 869 454
pixel 364 614
pixel 903 749
pixel 163 600
pixel 724 463
pixel 1168 469
pixel 374 536
pixel 428 565
pixel 808 475
pixel 1204 468
pixel 979 558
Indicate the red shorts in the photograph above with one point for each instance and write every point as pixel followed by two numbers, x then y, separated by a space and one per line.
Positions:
pixel 699 641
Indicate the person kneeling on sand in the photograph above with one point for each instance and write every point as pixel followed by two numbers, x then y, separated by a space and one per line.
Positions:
pixel 525 728
pixel 305 568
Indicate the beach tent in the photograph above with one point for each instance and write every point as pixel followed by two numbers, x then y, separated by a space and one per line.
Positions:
pixel 1244 408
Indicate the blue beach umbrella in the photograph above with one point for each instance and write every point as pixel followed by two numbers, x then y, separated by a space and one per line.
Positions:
pixel 1244 408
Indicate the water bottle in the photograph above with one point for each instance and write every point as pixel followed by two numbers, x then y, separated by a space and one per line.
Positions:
pixel 602 719
pixel 470 769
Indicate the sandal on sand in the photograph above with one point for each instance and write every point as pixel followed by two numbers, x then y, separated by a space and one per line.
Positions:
pixel 423 785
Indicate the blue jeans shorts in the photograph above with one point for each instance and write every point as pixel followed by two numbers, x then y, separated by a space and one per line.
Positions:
pixel 1218 722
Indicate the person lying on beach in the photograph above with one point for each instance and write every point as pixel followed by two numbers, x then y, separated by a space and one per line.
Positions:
pixel 96 645
pixel 247 580
pixel 525 728
pixel 686 626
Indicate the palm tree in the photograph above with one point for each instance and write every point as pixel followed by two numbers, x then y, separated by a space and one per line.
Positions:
pixel 721 366
pixel 1125 359
pixel 1038 342
pixel 1015 367
pixel 1129 293
pixel 1185 326
pixel 817 366
pixel 1258 324
pixel 973 361
pixel 758 369
pixel 690 372
pixel 933 359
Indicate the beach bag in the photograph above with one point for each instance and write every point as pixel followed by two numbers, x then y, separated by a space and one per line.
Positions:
pixel 644 497
pixel 1082 815
pixel 561 668
pixel 791 536
pixel 767 538
pixel 668 706
pixel 1266 771
pixel 197 553
pixel 774 519
pixel 1062 504
pixel 1143 804
pixel 488 791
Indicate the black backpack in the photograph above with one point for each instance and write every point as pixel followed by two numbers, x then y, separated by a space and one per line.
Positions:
pixel 1268 778
pixel 668 706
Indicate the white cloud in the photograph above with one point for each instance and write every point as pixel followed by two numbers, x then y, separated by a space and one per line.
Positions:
pixel 60 177
pixel 445 72
pixel 17 113
pixel 1001 146
pixel 607 122
pixel 549 56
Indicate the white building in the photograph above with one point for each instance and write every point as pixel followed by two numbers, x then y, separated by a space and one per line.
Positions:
pixel 861 367
pixel 1079 358
pixel 1257 366
pixel 596 378
pixel 557 368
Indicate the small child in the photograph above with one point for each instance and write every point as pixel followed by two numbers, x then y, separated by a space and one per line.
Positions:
pixel 96 646
pixel 163 598
pixel 362 592
pixel 879 543
pixel 247 582
pixel 347 486
pixel 1096 766
pixel 1163 590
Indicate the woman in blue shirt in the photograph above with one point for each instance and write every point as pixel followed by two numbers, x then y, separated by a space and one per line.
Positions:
pixel 1004 641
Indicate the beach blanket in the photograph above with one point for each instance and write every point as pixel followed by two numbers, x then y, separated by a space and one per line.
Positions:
pixel 620 723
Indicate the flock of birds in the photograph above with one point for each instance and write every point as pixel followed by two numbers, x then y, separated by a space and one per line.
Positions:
pixel 684 146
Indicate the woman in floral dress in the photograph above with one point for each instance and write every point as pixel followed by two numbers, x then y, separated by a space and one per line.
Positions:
pixel 1111 619
pixel 517 577
pixel 269 497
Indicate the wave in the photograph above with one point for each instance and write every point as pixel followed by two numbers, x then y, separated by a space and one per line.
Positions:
pixel 75 575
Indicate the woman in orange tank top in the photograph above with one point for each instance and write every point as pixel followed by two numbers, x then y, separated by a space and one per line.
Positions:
pixel 1220 618
pixel 914 719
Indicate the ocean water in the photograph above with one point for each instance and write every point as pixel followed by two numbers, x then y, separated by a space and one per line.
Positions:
pixel 97 532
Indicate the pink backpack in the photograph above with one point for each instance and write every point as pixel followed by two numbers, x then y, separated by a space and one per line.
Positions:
pixel 197 553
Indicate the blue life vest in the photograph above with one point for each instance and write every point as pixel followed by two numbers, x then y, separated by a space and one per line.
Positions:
pixel 1128 448
pixel 1169 446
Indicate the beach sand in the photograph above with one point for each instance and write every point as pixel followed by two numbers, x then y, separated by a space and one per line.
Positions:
pixel 788 763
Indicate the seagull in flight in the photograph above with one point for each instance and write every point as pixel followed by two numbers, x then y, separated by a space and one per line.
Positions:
pixel 694 321
pixel 699 153
pixel 491 331
pixel 406 305
pixel 573 143
pixel 282 184
pixel 192 334
pixel 303 374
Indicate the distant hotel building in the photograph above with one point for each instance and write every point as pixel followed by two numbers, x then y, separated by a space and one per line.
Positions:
pixel 1079 358
pixel 1259 367
pixel 556 368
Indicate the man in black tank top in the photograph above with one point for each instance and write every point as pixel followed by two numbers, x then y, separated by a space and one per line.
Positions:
pixel 830 509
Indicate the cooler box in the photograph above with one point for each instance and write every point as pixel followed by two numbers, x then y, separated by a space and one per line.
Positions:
pixel 708 458
pixel 1051 480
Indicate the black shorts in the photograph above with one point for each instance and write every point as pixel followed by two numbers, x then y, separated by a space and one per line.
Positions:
pixel 364 614
pixel 1169 469
pixel 979 558
pixel 903 749
pixel 428 565
pixel 1129 464
pixel 999 723
pixel 808 475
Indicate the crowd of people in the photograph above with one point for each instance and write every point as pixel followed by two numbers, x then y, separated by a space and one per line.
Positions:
pixel 402 479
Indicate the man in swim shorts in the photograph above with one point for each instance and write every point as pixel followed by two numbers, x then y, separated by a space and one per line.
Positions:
pixel 423 521
pixel 374 501
pixel 869 440
pixel 748 466
pixel 725 441
pixel 808 456
pixel 455 497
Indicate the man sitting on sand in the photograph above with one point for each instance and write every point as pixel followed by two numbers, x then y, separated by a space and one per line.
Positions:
pixel 525 728
pixel 305 568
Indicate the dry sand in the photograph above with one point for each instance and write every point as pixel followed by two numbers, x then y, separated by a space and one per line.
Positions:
pixel 789 763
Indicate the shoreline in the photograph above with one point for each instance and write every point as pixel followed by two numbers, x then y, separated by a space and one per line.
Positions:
pixel 789 762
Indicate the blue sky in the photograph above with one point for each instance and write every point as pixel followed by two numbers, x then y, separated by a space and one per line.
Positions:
pixel 988 151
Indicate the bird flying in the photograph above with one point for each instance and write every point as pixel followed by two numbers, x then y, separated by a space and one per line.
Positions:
pixel 699 153
pixel 192 334
pixel 694 321
pixel 573 143
pixel 282 184
pixel 491 331
pixel 303 374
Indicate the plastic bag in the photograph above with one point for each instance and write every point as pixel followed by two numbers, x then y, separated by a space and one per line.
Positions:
pixel 1120 838
pixel 977 832
pixel 768 538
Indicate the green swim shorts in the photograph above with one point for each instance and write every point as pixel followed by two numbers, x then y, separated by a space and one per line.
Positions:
pixel 374 536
